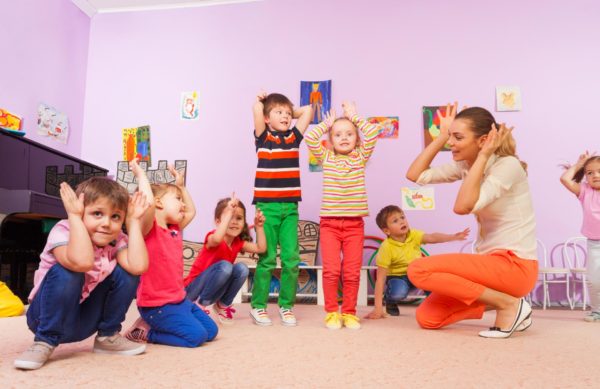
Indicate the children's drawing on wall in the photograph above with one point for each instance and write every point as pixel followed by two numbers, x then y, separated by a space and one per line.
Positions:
pixel 508 98
pixel 52 123
pixel 388 125
pixel 418 199
pixel 317 94
pixel 9 121
pixel 160 175
pixel 189 106
pixel 136 144
pixel 313 164
pixel 431 123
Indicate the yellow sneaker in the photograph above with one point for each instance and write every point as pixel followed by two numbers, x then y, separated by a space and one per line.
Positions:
pixel 333 321
pixel 351 321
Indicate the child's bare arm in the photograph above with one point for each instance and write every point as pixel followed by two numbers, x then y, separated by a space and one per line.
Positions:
pixel 304 115
pixel 257 112
pixel 261 241
pixel 377 312
pixel 217 237
pixel 144 187
pixel 134 259
pixel 190 208
pixel 438 237
pixel 78 254
pixel 567 178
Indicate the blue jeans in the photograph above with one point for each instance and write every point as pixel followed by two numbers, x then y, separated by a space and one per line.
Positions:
pixel 55 315
pixel 219 282
pixel 396 288
pixel 182 324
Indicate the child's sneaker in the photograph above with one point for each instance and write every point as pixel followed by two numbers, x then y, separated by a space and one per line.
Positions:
pixel 333 321
pixel 35 356
pixel 260 317
pixel 592 317
pixel 351 321
pixel 224 314
pixel 138 332
pixel 287 317
pixel 392 309
pixel 117 344
pixel 202 307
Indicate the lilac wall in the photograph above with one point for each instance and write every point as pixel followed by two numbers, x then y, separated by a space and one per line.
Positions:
pixel 44 60
pixel 390 57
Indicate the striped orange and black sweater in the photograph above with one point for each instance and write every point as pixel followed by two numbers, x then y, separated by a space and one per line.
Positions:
pixel 278 171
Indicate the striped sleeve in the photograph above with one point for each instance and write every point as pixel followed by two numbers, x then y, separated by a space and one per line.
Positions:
pixel 370 133
pixel 313 141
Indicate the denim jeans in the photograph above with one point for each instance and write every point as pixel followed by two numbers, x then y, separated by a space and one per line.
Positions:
pixel 55 315
pixel 219 282
pixel 182 324
pixel 396 288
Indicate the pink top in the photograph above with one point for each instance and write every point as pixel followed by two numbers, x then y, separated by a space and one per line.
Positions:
pixel 162 283
pixel 208 257
pixel 105 259
pixel 590 202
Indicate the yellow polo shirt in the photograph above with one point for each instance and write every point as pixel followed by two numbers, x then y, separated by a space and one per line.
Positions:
pixel 396 256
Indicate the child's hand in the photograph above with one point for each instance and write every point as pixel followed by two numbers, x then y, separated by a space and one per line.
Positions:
pixel 582 158
pixel 349 109
pixel 135 167
pixel 259 218
pixel 138 205
pixel 178 177
pixel 376 314
pixel 329 118
pixel 494 139
pixel 462 235
pixel 73 204
pixel 261 96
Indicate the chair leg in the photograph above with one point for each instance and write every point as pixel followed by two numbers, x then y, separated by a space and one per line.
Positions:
pixel 584 292
pixel 568 292
pixel 546 297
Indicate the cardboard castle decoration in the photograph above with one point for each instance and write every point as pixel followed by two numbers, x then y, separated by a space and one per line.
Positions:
pixel 160 175
pixel 54 178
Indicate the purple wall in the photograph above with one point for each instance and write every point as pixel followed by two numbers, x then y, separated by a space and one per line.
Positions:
pixel 390 57
pixel 44 60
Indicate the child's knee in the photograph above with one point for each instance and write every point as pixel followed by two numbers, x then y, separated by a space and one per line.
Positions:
pixel 212 330
pixel 241 270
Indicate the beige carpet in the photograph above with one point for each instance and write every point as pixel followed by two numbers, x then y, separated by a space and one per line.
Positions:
pixel 560 351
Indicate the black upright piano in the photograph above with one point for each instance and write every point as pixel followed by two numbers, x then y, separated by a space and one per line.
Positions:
pixel 30 204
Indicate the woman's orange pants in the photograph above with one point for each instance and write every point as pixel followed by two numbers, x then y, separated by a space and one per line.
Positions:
pixel 457 280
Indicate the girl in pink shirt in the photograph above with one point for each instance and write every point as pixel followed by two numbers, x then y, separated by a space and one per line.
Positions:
pixel 588 193
pixel 214 278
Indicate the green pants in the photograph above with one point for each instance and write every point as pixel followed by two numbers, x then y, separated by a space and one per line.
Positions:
pixel 281 227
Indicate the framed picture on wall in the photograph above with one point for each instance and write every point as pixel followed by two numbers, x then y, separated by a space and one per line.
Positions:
pixel 431 123
pixel 508 98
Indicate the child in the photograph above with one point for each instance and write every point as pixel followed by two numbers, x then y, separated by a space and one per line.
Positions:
pixel 343 207
pixel 88 272
pixel 10 305
pixel 276 194
pixel 402 246
pixel 588 193
pixel 167 317
pixel 214 277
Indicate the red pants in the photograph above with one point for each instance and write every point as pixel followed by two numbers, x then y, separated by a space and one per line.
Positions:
pixel 341 235
pixel 457 280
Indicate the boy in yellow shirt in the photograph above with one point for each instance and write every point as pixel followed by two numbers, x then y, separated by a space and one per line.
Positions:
pixel 397 251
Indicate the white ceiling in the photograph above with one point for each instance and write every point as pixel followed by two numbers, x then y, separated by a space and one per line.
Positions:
pixel 92 7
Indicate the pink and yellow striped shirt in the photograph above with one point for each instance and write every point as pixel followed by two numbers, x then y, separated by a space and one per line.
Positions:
pixel 344 190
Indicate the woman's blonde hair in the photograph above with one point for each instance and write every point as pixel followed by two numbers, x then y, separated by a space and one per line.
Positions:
pixel 481 121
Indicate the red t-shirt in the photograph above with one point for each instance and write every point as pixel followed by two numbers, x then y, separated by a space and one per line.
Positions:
pixel 208 257
pixel 162 283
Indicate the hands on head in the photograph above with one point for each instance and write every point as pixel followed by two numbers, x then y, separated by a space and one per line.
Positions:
pixel 74 205
pixel 495 138
pixel 138 205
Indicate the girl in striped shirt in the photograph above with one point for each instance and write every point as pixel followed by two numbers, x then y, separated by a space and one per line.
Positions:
pixel 343 207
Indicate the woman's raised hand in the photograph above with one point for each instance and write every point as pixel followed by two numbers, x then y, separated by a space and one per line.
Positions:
pixel 494 139
pixel 446 119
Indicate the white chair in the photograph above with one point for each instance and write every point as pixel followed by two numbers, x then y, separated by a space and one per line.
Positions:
pixel 552 275
pixel 468 247
pixel 574 252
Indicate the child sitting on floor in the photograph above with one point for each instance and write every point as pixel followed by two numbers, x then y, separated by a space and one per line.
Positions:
pixel 214 278
pixel 397 251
